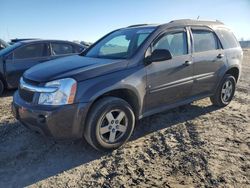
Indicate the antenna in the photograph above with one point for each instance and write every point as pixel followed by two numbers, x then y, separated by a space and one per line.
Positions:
pixel 8 34
pixel 198 17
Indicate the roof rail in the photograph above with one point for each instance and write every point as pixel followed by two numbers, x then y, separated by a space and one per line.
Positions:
pixel 172 21
pixel 219 21
pixel 181 20
pixel 137 25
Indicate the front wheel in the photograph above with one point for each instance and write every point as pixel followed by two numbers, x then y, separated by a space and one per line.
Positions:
pixel 110 123
pixel 225 91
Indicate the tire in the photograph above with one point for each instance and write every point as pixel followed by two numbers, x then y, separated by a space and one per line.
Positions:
pixel 109 124
pixel 1 87
pixel 224 93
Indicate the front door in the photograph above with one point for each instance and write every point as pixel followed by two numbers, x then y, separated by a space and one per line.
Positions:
pixel 170 81
pixel 24 58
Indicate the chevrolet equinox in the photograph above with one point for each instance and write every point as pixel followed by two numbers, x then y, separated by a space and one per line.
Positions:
pixel 127 75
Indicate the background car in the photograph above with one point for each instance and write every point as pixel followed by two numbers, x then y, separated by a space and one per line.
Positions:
pixel 3 44
pixel 22 55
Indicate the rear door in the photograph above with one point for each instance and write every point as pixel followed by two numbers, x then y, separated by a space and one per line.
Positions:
pixel 24 58
pixel 208 59
pixel 171 80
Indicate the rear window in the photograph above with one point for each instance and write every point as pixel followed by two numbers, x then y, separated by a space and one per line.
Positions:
pixel 204 40
pixel 61 48
pixel 31 51
pixel 228 39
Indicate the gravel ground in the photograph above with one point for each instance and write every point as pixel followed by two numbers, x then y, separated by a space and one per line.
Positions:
pixel 196 145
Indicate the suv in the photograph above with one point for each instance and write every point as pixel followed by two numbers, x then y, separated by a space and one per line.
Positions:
pixel 127 75
pixel 23 54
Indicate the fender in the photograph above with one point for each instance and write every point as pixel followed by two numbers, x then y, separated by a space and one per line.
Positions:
pixel 133 79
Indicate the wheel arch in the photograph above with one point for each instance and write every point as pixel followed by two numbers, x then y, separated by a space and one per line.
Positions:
pixel 126 94
pixel 234 71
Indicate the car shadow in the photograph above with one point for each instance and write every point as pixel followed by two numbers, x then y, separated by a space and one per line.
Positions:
pixel 26 158
pixel 169 118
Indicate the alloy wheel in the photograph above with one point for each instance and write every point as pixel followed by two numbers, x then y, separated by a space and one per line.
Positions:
pixel 227 90
pixel 112 126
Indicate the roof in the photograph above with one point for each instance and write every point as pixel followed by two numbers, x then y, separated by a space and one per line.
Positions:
pixel 46 40
pixel 182 22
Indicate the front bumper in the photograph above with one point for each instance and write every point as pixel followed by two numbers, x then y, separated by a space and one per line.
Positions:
pixel 60 122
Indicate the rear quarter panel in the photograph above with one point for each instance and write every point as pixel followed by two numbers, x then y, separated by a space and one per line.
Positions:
pixel 234 58
pixel 234 55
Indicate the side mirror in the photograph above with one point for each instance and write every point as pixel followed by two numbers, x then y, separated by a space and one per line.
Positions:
pixel 159 55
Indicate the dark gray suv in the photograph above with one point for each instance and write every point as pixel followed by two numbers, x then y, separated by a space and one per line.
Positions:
pixel 129 74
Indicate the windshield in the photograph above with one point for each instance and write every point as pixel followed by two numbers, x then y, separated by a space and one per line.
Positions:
pixel 120 44
pixel 9 48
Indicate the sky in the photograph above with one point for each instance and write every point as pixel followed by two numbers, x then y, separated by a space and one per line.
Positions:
pixel 88 20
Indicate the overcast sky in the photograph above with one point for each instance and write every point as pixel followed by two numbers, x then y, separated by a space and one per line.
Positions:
pixel 89 20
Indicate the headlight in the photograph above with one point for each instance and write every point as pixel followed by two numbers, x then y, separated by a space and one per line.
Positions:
pixel 65 94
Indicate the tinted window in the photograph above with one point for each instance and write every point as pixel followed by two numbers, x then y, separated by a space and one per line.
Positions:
pixel 204 41
pixel 176 43
pixel 61 48
pixel 228 39
pixel 31 51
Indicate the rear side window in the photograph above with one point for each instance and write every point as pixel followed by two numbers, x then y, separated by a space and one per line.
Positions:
pixel 61 48
pixel 31 51
pixel 228 39
pixel 176 43
pixel 204 40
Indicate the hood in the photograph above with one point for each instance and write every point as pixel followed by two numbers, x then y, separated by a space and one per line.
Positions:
pixel 76 66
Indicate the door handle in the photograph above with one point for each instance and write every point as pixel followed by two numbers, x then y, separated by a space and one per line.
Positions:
pixel 187 63
pixel 220 56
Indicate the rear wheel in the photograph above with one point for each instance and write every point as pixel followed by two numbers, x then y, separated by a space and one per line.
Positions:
pixel 225 91
pixel 1 87
pixel 110 123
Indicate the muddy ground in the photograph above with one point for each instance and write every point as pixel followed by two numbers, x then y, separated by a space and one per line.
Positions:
pixel 196 145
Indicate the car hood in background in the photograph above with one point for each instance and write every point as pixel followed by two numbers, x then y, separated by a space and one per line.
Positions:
pixel 78 67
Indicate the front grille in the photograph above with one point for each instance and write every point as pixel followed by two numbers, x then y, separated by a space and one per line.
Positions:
pixel 26 95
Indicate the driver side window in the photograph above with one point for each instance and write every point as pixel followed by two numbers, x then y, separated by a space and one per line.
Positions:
pixel 176 43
